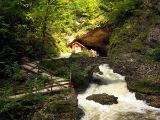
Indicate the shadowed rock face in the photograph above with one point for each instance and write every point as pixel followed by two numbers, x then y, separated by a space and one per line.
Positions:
pixel 96 39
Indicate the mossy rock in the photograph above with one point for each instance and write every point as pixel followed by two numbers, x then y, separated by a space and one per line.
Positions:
pixel 103 99
pixel 148 85
pixel 60 107
pixel 152 100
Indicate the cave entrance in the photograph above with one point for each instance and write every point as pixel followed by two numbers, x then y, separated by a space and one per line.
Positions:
pixel 78 47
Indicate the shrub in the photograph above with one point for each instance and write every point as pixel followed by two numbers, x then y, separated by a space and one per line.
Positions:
pixel 80 54
pixel 121 37
pixel 155 54
pixel 79 75
pixel 155 19
pixel 21 108
pixel 118 10
pixel 13 71
pixel 138 46
pixel 66 68
pixel 147 84
pixel 57 67
pixel 36 82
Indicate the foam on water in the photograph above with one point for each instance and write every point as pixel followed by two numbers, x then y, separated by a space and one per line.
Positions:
pixel 128 106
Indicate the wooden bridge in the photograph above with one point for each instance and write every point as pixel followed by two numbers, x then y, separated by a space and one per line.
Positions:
pixel 56 84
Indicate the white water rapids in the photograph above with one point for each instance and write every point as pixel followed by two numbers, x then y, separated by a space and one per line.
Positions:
pixel 128 107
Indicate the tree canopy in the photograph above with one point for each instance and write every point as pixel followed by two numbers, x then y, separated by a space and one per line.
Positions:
pixel 40 27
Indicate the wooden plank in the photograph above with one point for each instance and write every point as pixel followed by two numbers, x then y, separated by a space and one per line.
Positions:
pixel 55 85
pixel 55 89
pixel 32 71
pixel 58 84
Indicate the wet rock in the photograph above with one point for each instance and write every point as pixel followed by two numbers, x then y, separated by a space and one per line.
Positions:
pixel 154 36
pixel 152 100
pixel 80 113
pixel 103 99
pixel 94 77
pixel 158 7
pixel 153 4
pixel 135 116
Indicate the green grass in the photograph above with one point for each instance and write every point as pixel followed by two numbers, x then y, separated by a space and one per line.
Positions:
pixel 80 54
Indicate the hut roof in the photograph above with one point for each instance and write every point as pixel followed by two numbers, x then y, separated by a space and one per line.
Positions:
pixel 75 42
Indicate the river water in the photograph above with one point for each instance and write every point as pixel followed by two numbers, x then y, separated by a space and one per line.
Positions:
pixel 128 107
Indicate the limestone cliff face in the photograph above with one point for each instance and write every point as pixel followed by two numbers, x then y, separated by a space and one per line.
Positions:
pixel 96 39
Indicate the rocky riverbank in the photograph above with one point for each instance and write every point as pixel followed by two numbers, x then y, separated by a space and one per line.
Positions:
pixel 134 52
pixel 141 78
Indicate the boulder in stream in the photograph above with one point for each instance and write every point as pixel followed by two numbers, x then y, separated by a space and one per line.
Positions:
pixel 103 99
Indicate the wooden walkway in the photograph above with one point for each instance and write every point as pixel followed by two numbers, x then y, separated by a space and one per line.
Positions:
pixel 58 83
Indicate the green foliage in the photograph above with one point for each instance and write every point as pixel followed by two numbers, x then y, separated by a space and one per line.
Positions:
pixel 41 28
pixel 155 54
pixel 58 68
pixel 16 72
pixel 68 69
pixel 138 46
pixel 66 15
pixel 36 82
pixel 12 28
pixel 121 36
pixel 118 10
pixel 20 108
pixel 33 99
pixel 60 44
pixel 147 85
pixel 80 54
pixel 131 38
pixel 5 103
pixel 13 71
pixel 155 19
pixel 4 92
pixel 54 103
pixel 32 27
pixel 77 75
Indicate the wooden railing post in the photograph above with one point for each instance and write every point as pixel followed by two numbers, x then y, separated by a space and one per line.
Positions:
pixel 51 88
pixel 70 79
pixel 38 68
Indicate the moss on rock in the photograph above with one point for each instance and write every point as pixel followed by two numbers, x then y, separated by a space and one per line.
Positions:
pixel 60 107
pixel 103 99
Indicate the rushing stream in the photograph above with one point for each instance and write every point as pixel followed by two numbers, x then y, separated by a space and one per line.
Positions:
pixel 128 107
